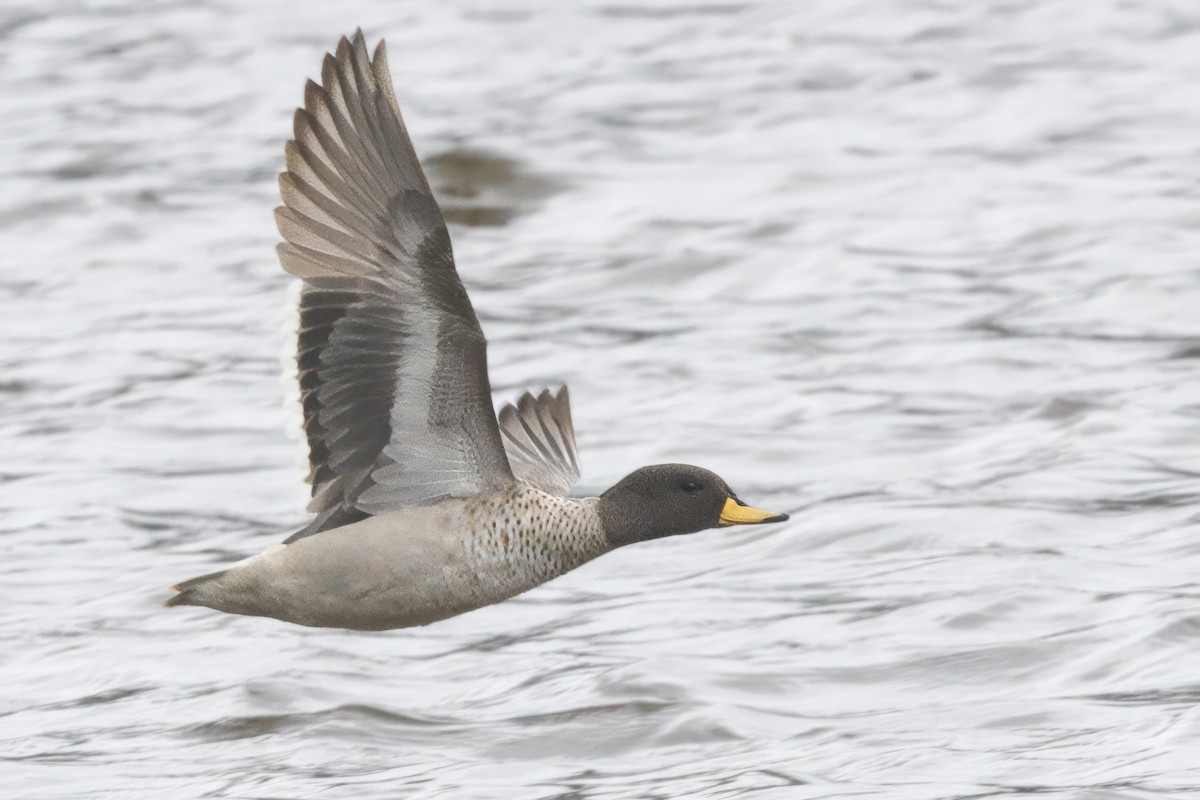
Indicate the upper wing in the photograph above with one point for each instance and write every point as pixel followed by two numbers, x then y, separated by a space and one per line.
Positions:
pixel 391 360
pixel 540 441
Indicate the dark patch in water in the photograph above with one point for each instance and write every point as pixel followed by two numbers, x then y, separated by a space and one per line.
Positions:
pixel 481 189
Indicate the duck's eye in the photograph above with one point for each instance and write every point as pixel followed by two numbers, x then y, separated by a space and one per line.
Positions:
pixel 691 487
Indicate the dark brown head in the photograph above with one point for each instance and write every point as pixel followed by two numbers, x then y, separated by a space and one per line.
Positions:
pixel 670 499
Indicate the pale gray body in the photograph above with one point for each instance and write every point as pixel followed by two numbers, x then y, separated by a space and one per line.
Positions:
pixel 415 566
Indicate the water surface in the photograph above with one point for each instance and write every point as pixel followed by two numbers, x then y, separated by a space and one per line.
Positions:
pixel 923 274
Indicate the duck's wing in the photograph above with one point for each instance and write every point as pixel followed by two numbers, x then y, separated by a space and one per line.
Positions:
pixel 391 360
pixel 540 441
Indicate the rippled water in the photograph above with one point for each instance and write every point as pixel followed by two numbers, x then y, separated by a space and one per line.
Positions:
pixel 924 274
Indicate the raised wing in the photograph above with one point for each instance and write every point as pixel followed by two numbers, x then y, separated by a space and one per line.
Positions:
pixel 540 440
pixel 391 359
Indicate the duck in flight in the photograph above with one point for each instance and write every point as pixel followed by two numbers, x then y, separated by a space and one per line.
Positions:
pixel 426 504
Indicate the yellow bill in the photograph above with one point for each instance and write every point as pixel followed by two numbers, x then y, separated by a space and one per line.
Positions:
pixel 736 512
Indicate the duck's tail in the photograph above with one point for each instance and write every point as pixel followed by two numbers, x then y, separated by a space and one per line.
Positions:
pixel 192 592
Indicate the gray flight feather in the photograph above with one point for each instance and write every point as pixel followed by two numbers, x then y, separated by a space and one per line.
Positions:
pixel 540 441
pixel 392 362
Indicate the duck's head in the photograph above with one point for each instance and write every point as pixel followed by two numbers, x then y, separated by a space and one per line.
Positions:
pixel 670 499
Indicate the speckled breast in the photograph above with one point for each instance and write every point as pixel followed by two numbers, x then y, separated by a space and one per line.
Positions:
pixel 527 537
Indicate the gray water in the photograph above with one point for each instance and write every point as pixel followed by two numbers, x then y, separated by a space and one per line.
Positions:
pixel 924 274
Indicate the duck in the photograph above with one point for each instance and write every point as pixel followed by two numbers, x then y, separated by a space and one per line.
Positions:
pixel 427 503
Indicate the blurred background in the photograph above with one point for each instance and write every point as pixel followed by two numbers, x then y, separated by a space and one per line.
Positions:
pixel 922 273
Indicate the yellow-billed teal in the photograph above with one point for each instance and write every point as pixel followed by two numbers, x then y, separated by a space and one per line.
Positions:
pixel 425 506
